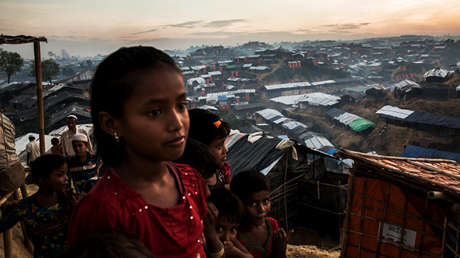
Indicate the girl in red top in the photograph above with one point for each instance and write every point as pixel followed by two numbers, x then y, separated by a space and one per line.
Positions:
pixel 138 107
pixel 259 234
pixel 209 129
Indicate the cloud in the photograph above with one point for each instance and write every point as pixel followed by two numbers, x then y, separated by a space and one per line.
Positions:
pixel 223 23
pixel 143 32
pixel 188 25
pixel 345 26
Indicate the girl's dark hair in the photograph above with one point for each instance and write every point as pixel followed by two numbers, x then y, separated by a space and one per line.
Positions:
pixel 228 204
pixel 43 166
pixel 113 84
pixel 206 126
pixel 196 155
pixel 249 182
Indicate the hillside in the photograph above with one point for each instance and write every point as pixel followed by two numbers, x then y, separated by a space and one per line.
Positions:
pixel 387 139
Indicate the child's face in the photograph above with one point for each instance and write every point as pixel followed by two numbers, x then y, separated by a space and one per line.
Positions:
pixel 155 121
pixel 218 151
pixel 57 181
pixel 79 147
pixel 258 205
pixel 210 183
pixel 225 229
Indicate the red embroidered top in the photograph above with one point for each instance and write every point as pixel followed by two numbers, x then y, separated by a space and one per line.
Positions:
pixel 266 250
pixel 114 206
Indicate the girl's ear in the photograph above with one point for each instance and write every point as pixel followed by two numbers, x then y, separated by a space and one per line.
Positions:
pixel 108 123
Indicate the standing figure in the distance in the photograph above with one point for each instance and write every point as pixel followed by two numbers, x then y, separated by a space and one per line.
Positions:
pixel 66 137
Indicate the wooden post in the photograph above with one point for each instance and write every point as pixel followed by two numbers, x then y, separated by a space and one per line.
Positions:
pixel 38 76
pixel 7 242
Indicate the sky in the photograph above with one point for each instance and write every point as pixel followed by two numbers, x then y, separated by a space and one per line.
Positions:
pixel 90 27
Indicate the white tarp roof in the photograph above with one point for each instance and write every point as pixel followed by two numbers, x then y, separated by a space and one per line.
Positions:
pixel 394 112
pixel 346 118
pixel 280 120
pixel 322 82
pixel 199 80
pixel 287 85
pixel 458 88
pixel 406 83
pixel 293 124
pixel 317 142
pixel 208 107
pixel 259 68
pixel 269 113
pixel 436 72
pixel 314 99
pixel 214 73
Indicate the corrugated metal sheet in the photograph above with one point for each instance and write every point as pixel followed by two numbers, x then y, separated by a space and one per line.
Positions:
pixel 314 99
pixel 293 124
pixel 280 120
pixel 346 118
pixel 287 85
pixel 436 72
pixel 394 112
pixel 441 175
pixel 269 113
pixel 317 142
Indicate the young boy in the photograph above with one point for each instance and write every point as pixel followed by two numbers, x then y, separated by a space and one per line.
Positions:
pixel 46 213
pixel 259 233
pixel 229 217
pixel 210 130
pixel 83 166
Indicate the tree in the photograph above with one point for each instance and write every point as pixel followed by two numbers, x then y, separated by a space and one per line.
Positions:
pixel 49 69
pixel 10 63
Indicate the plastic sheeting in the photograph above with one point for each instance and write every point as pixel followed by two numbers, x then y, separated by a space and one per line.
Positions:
pixel 412 151
pixel 361 124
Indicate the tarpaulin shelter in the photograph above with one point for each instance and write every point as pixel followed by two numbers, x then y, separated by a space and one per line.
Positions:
pixel 305 183
pixel 399 207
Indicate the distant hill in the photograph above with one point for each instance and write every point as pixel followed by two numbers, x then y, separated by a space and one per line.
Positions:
pixel 387 139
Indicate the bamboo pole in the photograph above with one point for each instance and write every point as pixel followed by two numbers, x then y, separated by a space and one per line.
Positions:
pixel 7 242
pixel 38 76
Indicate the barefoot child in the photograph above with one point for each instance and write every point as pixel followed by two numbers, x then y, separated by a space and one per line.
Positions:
pixel 138 107
pixel 46 213
pixel 259 233
pixel 210 130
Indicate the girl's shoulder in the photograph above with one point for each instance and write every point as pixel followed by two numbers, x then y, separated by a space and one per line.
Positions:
pixel 273 223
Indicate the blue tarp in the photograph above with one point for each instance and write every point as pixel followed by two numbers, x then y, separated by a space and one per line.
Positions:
pixel 412 151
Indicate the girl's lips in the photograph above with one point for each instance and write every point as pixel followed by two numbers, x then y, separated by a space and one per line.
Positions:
pixel 177 141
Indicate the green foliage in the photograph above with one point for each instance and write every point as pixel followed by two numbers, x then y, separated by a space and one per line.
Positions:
pixel 10 63
pixel 50 69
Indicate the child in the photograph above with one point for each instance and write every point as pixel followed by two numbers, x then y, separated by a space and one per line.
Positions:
pixel 198 157
pixel 46 213
pixel 260 234
pixel 210 130
pixel 230 214
pixel 83 166
pixel 56 147
pixel 138 107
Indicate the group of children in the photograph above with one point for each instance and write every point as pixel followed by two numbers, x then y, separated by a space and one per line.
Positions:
pixel 166 186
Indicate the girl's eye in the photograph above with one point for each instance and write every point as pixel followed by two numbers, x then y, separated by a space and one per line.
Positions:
pixel 154 113
pixel 253 204
pixel 266 201
pixel 234 230
pixel 182 106
pixel 219 229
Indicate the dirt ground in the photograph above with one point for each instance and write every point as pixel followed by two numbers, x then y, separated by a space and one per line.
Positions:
pixel 308 243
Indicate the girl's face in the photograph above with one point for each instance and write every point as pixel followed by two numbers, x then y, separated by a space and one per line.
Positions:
pixel 155 121
pixel 225 229
pixel 80 148
pixel 57 181
pixel 218 151
pixel 258 205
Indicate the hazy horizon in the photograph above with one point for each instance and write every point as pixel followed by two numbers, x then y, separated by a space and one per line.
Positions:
pixel 86 28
